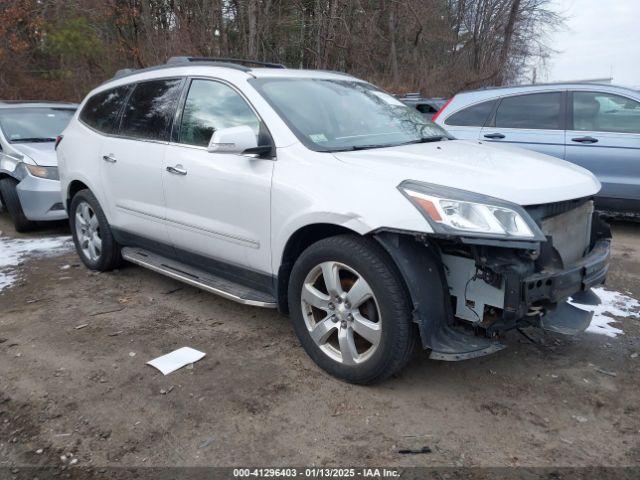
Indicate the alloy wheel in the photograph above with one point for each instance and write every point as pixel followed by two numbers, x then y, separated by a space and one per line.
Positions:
pixel 341 313
pixel 88 231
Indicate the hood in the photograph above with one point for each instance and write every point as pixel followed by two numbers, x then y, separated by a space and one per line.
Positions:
pixel 44 154
pixel 513 174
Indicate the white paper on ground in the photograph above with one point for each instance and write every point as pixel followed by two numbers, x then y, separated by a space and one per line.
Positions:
pixel 177 359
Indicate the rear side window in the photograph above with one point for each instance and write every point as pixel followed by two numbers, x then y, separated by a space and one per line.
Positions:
pixel 103 109
pixel 473 116
pixel 605 112
pixel 540 111
pixel 150 109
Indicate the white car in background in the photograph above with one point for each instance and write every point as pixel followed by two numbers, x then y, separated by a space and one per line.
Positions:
pixel 29 186
pixel 318 194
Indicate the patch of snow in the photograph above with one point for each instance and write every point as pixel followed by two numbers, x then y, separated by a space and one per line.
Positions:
pixel 614 304
pixel 16 250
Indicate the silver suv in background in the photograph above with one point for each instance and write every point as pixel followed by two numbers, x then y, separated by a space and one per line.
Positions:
pixel 29 185
pixel 594 126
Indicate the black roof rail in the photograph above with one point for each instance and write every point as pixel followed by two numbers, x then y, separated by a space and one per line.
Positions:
pixel 238 61
pixel 53 102
pixel 234 63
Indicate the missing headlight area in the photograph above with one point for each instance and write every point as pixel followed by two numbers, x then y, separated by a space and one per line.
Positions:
pixel 474 289
pixel 498 288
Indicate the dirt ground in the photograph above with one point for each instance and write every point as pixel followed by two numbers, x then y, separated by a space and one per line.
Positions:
pixel 257 399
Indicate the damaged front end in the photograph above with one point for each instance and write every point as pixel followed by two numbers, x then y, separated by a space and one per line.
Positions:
pixel 468 289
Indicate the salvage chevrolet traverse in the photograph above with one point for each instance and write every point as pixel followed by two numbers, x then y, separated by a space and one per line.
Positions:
pixel 324 197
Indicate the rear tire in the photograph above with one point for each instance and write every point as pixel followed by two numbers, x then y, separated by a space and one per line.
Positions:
pixel 95 244
pixel 357 326
pixel 8 189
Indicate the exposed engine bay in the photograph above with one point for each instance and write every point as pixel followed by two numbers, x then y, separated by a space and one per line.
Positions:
pixel 497 285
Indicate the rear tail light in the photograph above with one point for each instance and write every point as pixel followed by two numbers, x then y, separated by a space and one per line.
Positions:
pixel 433 119
pixel 58 140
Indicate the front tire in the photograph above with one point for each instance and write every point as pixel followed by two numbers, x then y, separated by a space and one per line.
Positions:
pixel 92 234
pixel 350 309
pixel 8 189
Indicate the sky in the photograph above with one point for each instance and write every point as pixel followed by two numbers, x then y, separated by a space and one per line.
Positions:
pixel 600 39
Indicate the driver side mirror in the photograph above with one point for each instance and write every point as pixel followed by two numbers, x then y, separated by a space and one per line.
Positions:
pixel 236 140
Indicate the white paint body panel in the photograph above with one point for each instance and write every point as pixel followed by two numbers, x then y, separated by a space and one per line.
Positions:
pixel 263 202
pixel 133 188
pixel 221 207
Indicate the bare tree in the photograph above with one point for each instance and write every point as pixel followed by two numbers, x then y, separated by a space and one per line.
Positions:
pixel 62 48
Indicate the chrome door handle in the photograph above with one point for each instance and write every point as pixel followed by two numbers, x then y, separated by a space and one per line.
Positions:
pixel 178 170
pixel 109 158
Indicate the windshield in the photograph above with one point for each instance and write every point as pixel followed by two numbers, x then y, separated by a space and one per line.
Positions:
pixel 336 115
pixel 34 124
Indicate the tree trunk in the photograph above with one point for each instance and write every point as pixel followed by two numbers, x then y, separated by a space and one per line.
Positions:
pixel 393 51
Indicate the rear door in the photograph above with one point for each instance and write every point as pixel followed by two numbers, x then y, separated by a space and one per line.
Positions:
pixel 132 160
pixel 534 121
pixel 604 137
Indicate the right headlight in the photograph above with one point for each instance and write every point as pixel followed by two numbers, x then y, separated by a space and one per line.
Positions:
pixel 458 212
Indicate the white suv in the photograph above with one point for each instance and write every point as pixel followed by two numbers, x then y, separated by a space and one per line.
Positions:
pixel 318 194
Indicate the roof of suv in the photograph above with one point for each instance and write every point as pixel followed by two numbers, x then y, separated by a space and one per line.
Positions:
pixel 35 104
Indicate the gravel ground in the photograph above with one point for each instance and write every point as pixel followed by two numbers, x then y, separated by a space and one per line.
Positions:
pixel 73 383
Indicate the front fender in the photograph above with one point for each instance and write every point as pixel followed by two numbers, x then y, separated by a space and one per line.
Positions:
pixel 423 273
pixel 350 221
pixel 9 165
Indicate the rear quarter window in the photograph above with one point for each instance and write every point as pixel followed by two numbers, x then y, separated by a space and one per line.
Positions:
pixel 473 116
pixel 102 111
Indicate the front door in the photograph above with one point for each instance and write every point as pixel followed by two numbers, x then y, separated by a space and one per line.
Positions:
pixel 218 204
pixel 533 121
pixel 132 161
pixel 605 138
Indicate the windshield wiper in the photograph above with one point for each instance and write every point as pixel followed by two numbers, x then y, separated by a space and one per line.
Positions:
pixel 367 147
pixel 34 140
pixel 434 138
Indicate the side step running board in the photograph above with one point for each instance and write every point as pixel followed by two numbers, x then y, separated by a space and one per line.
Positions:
pixel 199 278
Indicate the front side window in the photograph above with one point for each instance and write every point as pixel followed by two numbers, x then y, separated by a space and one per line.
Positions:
pixel 332 115
pixel 34 124
pixel 473 116
pixel 605 112
pixel 210 106
pixel 150 109
pixel 103 109
pixel 540 111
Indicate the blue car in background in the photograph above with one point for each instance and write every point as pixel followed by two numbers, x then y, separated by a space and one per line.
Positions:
pixel 594 126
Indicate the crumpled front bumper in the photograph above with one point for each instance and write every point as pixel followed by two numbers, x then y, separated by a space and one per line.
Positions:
pixel 556 286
